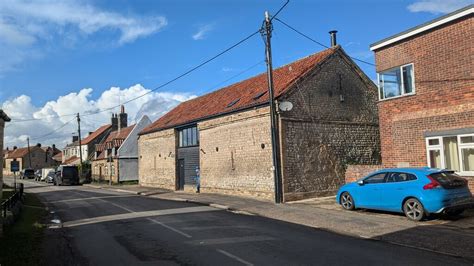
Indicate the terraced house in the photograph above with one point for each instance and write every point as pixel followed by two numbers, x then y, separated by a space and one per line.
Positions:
pixel 116 158
pixel 426 94
pixel 225 135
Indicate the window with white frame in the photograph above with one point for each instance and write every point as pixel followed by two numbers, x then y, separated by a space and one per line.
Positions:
pixel 396 82
pixel 452 152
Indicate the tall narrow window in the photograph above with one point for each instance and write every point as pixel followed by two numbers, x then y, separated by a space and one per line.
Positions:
pixel 188 137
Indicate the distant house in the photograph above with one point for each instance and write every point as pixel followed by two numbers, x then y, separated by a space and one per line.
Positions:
pixel 426 94
pixel 71 154
pixel 34 157
pixel 225 135
pixel 116 158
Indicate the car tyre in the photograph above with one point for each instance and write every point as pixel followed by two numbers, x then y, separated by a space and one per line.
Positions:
pixel 413 209
pixel 347 201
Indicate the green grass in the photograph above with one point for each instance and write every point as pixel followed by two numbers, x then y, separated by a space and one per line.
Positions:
pixel 21 242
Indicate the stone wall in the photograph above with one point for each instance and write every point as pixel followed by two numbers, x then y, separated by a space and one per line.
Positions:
pixel 236 154
pixel 157 159
pixel 333 123
pixel 101 170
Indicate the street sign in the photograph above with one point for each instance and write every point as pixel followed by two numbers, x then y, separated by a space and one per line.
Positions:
pixel 15 166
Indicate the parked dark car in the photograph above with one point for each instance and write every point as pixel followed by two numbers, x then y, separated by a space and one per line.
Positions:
pixel 66 175
pixel 27 173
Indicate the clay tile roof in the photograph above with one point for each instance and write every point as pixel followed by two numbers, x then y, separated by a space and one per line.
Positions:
pixel 58 157
pixel 238 96
pixel 95 134
pixel 20 152
pixel 120 134
pixel 71 160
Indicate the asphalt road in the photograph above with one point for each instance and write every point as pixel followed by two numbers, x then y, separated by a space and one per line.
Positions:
pixel 109 228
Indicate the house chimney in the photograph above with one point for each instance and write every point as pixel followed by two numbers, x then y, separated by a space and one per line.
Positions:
pixel 114 122
pixel 123 117
pixel 38 145
pixel 15 147
pixel 90 132
pixel 333 38
pixel 75 138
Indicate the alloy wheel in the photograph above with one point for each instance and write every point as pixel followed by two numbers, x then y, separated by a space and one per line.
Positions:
pixel 414 210
pixel 346 201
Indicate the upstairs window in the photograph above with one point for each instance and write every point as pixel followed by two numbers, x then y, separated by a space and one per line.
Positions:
pixel 396 82
pixel 188 137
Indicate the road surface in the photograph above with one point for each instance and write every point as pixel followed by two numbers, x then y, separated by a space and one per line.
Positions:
pixel 98 227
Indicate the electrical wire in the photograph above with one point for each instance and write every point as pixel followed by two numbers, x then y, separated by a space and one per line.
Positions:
pixel 172 80
pixel 52 132
pixel 160 86
pixel 313 40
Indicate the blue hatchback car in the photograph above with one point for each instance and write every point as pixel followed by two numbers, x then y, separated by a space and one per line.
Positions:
pixel 416 192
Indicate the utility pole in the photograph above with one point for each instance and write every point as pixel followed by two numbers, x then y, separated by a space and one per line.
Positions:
pixel 267 34
pixel 29 152
pixel 79 134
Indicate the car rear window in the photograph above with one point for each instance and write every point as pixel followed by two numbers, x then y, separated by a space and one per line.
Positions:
pixel 29 171
pixel 70 171
pixel 449 180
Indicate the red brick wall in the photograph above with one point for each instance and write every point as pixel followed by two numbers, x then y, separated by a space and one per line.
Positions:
pixel 444 99
pixel 354 172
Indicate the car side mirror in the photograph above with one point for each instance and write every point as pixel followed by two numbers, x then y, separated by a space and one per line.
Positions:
pixel 361 182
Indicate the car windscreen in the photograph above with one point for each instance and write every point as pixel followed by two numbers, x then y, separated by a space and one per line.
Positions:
pixel 449 180
pixel 70 171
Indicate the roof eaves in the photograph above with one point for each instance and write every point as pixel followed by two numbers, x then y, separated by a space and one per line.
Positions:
pixel 241 109
pixel 466 11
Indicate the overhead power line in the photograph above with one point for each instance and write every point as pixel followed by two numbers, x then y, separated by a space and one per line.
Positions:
pixel 52 132
pixel 157 88
pixel 170 81
pixel 313 40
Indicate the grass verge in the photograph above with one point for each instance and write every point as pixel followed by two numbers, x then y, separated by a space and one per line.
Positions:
pixel 21 242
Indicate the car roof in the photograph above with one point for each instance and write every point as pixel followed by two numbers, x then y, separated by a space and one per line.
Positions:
pixel 413 170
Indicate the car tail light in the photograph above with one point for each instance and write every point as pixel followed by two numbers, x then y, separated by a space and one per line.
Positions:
pixel 433 184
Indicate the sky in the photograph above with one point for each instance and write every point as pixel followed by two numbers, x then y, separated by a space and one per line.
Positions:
pixel 60 57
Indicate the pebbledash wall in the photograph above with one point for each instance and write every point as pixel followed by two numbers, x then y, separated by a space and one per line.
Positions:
pixel 444 92
pixel 157 159
pixel 236 154
pixel 334 123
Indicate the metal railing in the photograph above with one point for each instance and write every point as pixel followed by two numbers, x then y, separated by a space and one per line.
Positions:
pixel 9 203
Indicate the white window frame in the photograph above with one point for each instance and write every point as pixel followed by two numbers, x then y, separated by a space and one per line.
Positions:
pixel 403 94
pixel 440 147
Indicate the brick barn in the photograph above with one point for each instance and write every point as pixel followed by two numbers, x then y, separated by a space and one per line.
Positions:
pixel 226 133
pixel 426 94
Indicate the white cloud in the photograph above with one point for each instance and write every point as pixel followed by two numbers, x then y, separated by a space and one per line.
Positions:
pixel 154 104
pixel 25 25
pixel 203 31
pixel 438 6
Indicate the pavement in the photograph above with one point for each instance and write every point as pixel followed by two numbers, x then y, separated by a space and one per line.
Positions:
pixel 119 224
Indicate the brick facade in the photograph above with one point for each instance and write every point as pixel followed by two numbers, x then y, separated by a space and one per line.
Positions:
pixel 157 159
pixel 39 159
pixel 333 123
pixel 236 154
pixel 444 90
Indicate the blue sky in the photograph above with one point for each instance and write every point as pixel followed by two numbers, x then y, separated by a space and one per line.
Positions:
pixel 54 49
